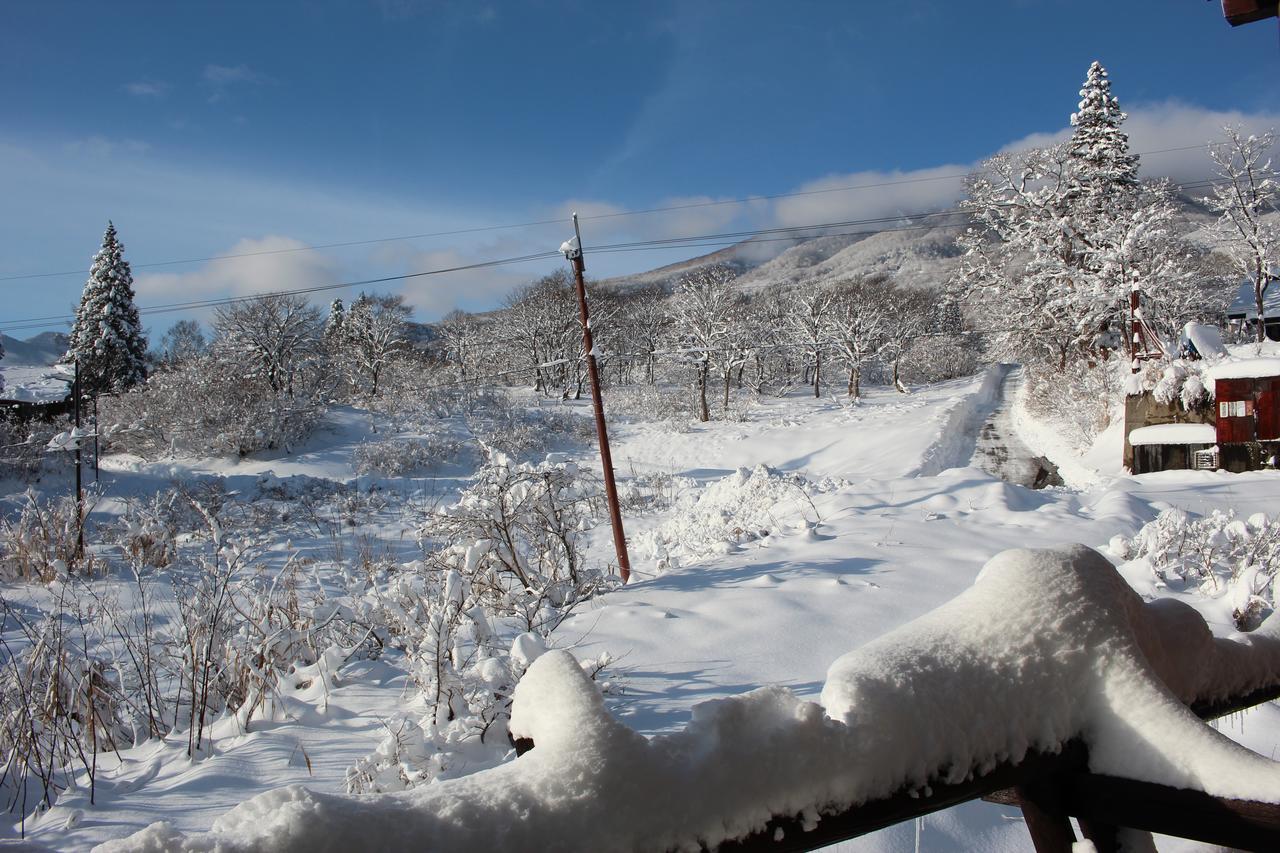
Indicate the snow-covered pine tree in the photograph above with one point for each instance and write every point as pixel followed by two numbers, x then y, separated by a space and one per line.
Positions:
pixel 106 340
pixel 334 323
pixel 1105 172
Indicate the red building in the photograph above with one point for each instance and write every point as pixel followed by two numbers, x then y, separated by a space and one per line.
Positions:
pixel 1247 396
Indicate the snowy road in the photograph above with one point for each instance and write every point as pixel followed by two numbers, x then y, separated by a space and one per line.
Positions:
pixel 1000 452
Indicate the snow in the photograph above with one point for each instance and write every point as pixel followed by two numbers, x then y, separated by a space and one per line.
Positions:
pixel 41 385
pixel 1246 368
pixel 892 544
pixel 1052 644
pixel 1174 434
pixel 1206 339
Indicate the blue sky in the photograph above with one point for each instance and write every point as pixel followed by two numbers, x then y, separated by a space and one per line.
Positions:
pixel 206 129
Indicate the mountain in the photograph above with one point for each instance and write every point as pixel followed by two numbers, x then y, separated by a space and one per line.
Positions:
pixel 919 253
pixel 41 350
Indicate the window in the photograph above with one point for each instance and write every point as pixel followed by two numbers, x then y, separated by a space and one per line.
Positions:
pixel 1235 409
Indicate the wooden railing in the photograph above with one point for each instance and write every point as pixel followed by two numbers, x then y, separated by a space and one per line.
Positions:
pixel 1051 788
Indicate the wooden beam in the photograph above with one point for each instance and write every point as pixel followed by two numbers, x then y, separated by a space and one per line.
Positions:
pixel 1000 786
pixel 905 805
pixel 1242 824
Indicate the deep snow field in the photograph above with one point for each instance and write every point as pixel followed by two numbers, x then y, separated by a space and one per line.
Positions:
pixel 896 517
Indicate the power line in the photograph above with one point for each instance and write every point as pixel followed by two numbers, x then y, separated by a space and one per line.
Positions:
pixel 665 243
pixel 37 322
pixel 539 222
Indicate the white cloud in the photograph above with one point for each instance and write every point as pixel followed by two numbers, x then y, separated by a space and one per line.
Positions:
pixel 871 195
pixel 147 88
pixel 269 264
pixel 1156 128
pixel 221 79
pixel 481 289
pixel 224 75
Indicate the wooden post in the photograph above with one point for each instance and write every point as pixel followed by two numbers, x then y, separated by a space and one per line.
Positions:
pixel 75 391
pixel 573 251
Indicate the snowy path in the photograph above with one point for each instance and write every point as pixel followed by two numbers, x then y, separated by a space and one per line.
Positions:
pixel 1000 452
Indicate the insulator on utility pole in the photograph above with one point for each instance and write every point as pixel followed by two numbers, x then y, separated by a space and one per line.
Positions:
pixel 572 250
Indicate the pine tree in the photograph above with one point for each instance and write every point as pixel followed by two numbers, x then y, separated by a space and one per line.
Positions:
pixel 333 324
pixel 1105 172
pixel 106 340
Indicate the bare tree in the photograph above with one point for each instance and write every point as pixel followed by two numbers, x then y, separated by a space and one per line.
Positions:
pixel 859 325
pixel 909 314
pixel 1246 193
pixel 374 332
pixel 704 314
pixel 272 336
pixel 182 342
pixel 541 320
pixel 461 335
pixel 807 321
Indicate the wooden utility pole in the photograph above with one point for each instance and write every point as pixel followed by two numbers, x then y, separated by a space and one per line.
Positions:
pixel 75 392
pixel 573 251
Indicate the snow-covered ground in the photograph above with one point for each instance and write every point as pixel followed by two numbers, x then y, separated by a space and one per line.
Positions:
pixel 868 516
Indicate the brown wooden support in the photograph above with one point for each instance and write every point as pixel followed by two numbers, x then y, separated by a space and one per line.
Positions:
pixel 1047 819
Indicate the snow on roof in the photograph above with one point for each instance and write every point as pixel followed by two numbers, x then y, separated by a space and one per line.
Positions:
pixel 1174 434
pixel 1244 305
pixel 1245 368
pixel 1206 339
pixel 1048 645
pixel 35 385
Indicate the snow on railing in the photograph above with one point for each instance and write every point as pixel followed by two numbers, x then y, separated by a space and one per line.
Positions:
pixel 1050 650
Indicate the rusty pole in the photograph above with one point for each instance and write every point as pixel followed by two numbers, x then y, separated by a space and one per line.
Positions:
pixel 574 253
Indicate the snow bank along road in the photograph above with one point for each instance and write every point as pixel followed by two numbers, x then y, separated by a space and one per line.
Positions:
pixel 862 523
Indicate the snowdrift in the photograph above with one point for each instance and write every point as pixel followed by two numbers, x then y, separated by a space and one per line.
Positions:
pixel 1046 646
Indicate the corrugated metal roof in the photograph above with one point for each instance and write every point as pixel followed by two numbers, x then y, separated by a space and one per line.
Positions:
pixel 1244 305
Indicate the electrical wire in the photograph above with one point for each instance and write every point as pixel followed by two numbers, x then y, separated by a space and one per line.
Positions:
pixel 540 222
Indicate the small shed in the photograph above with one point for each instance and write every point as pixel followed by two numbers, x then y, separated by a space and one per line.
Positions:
pixel 1247 396
pixel 1172 447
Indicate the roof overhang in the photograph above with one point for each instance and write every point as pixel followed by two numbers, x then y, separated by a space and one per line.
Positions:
pixel 1239 12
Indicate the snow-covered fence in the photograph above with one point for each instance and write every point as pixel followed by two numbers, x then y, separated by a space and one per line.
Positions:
pixel 1049 655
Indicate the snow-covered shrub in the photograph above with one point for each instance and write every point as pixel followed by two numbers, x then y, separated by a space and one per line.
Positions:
pixel 747 505
pixel 41 542
pixel 24 441
pixel 504 566
pixel 395 457
pixel 1078 400
pixel 653 491
pixel 651 403
pixel 1219 554
pixel 205 406
pixel 146 532
pixel 1181 382
pixel 525 432
pixel 937 359
pixel 59 705
pixel 516 536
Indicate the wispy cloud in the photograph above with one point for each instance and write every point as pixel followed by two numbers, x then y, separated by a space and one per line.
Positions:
pixel 267 264
pixel 147 88
pixel 222 78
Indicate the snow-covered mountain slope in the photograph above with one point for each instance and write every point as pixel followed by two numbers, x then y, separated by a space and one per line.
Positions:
pixel 41 350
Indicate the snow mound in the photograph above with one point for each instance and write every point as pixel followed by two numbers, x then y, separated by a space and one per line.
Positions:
pixel 1046 646
pixel 747 505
